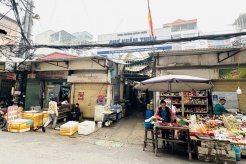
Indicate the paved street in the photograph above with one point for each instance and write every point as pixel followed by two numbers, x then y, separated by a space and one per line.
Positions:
pixel 51 148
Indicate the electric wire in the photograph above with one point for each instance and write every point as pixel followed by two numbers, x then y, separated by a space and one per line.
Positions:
pixel 5 14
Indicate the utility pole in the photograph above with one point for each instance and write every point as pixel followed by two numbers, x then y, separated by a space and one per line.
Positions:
pixel 21 78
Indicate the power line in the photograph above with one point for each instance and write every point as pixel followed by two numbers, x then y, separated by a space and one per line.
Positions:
pixel 5 14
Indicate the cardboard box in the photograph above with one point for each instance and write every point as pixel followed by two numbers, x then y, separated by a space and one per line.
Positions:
pixel 230 157
pixel 202 150
pixel 222 145
pixel 207 144
pixel 213 156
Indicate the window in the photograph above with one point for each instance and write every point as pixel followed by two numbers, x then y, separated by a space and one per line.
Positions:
pixel 176 28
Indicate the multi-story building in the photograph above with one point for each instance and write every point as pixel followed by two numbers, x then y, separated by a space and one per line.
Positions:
pixel 11 27
pixel 62 38
pixel 189 28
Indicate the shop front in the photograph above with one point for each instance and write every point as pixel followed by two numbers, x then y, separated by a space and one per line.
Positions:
pixel 53 85
pixel 7 83
pixel 228 82
pixel 44 86
pixel 87 87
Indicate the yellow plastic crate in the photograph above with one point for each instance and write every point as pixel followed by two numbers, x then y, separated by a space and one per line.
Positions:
pixel 45 114
pixel 69 128
pixel 36 117
pixel 18 126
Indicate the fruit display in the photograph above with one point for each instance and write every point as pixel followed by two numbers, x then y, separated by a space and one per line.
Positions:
pixel 213 125
pixel 232 122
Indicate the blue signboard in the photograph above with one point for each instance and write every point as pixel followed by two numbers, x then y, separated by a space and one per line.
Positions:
pixel 162 48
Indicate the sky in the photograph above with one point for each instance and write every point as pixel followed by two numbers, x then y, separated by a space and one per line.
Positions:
pixel 115 16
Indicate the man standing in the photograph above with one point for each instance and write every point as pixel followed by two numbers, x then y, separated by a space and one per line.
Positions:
pixel 219 108
pixel 52 115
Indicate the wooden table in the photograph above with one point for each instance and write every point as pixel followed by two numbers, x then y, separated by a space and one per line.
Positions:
pixel 171 128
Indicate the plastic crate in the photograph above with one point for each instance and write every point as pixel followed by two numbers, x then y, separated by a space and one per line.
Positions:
pixel 86 127
pixel 69 128
pixel 36 117
pixel 18 126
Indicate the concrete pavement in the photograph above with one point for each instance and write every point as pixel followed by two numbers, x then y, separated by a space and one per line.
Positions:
pixel 51 148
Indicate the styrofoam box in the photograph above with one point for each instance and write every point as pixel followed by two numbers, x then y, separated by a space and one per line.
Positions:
pixel 86 127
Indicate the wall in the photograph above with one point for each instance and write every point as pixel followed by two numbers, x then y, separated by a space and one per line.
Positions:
pixel 73 65
pixel 203 73
pixel 199 60
pixel 10 26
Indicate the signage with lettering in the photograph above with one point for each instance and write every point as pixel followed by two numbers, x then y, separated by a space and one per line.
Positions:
pixel 232 73
pixel 52 75
pixel 135 36
pixel 11 76
pixel 12 113
pixel 88 78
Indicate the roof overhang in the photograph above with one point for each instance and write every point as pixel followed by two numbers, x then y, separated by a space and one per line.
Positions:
pixel 198 51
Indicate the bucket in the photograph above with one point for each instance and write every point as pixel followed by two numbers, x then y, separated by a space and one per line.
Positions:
pixel 238 152
pixel 149 113
pixel 148 125
pixel 99 124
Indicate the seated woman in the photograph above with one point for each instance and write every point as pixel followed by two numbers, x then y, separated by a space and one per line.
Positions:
pixel 75 113
pixel 164 114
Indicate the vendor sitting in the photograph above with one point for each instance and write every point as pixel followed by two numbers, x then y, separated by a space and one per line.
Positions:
pixel 75 113
pixel 219 108
pixel 164 114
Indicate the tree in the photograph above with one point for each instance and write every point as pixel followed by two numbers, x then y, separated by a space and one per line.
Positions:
pixel 240 22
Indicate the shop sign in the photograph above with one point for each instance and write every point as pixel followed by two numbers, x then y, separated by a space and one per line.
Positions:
pixel 52 75
pixel 232 73
pixel 81 95
pixel 31 75
pixel 88 78
pixel 11 76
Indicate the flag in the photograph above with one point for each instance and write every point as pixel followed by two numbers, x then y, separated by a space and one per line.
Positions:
pixel 150 22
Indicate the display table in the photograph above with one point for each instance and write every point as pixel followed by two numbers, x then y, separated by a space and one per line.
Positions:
pixel 172 129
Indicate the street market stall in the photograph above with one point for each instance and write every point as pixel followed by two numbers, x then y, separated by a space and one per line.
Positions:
pixel 200 128
pixel 172 127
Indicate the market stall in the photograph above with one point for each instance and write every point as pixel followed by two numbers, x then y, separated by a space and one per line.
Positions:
pixel 172 127
pixel 219 129
pixel 174 83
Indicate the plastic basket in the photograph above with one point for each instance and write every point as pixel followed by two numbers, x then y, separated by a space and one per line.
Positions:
pixel 148 125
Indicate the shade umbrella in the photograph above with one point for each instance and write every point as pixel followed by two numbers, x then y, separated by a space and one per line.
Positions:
pixel 175 83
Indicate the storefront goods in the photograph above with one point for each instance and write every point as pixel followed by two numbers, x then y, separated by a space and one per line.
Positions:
pixel 69 128
pixel 35 116
pixel 216 152
pixel 19 125
pixel 86 127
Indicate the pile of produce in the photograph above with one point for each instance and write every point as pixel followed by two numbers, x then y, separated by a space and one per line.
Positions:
pixel 169 124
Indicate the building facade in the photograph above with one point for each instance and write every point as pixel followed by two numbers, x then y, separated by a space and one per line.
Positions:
pixel 10 26
pixel 63 38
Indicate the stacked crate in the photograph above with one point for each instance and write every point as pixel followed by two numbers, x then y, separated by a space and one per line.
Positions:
pixel 69 128
pixel 216 152
pixel 36 117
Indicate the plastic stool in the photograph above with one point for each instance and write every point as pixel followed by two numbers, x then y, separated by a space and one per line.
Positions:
pixel 149 140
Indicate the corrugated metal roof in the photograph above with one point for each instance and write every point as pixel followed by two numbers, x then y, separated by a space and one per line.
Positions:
pixel 199 51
